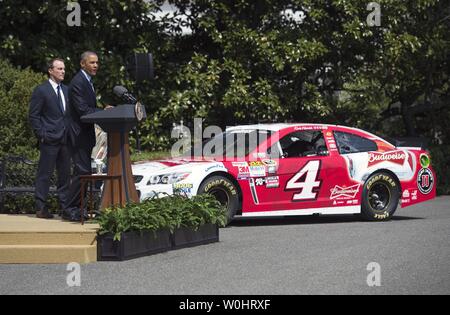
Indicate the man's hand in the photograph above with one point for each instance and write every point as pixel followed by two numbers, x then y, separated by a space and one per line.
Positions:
pixel 108 107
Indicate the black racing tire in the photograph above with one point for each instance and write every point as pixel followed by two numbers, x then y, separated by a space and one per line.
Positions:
pixel 380 197
pixel 225 192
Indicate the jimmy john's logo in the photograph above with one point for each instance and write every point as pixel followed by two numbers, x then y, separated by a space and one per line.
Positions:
pixel 397 157
pixel 339 192
pixel 425 181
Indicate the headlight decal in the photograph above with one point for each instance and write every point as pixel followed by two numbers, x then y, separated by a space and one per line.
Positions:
pixel 167 179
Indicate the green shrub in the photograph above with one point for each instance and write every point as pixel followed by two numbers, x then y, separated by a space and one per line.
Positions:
pixel 25 204
pixel 16 87
pixel 170 212
pixel 149 156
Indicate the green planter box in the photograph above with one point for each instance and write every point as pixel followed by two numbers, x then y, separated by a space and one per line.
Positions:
pixel 132 245
pixel 185 237
pixel 135 245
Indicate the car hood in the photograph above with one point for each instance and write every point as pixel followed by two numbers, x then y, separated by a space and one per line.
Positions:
pixel 171 166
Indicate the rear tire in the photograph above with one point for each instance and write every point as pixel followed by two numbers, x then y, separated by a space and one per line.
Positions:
pixel 224 191
pixel 380 197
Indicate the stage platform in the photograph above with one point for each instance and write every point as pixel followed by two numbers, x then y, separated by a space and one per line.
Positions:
pixel 25 239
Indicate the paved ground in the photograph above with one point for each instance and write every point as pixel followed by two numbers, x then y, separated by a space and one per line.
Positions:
pixel 276 256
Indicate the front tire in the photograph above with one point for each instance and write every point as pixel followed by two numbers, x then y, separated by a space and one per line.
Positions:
pixel 224 191
pixel 380 198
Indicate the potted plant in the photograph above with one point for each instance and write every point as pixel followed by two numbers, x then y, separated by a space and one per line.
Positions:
pixel 199 221
pixel 158 225
pixel 133 231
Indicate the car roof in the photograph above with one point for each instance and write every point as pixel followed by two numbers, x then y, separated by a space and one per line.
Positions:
pixel 276 127
pixel 282 126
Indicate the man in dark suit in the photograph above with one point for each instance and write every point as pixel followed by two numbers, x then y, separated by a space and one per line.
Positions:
pixel 50 120
pixel 83 101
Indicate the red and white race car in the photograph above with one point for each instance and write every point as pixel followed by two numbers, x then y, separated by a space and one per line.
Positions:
pixel 296 169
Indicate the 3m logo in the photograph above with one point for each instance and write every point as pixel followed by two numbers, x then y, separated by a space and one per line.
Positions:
pixel 397 157
pixel 339 192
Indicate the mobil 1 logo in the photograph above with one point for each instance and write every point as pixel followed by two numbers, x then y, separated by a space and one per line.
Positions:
pixel 425 181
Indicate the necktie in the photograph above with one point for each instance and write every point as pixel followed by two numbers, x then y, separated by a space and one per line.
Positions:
pixel 60 102
pixel 92 85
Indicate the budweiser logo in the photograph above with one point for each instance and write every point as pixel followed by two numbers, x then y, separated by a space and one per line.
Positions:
pixel 397 157
pixel 339 192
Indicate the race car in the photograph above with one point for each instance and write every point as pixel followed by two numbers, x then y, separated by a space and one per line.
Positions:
pixel 296 169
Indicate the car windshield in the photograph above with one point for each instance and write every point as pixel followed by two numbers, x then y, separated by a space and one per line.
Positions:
pixel 231 144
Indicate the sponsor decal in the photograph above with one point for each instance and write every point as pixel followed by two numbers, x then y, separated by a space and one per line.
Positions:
pixel 272 166
pixel 397 157
pixel 272 169
pixel 382 216
pixel 406 194
pixel 272 182
pixel 310 128
pixel 257 171
pixel 269 182
pixel 425 181
pixel 222 183
pixel 414 195
pixel 260 181
pixel 339 192
pixel 183 189
pixel 332 146
pixel 182 186
pixel 405 201
pixel 243 170
pixel 269 162
pixel 425 160
pixel 381 177
pixel 214 167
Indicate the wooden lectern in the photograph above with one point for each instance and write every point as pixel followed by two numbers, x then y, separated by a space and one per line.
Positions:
pixel 118 122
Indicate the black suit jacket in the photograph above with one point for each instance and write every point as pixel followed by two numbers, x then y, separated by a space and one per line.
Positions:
pixel 82 101
pixel 50 124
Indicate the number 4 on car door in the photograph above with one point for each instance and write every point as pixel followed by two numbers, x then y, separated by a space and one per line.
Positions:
pixel 307 181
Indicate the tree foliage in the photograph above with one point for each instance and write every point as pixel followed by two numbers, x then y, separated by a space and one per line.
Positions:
pixel 15 91
pixel 237 61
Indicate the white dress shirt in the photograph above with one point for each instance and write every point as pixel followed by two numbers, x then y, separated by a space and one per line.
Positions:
pixel 55 88
pixel 89 78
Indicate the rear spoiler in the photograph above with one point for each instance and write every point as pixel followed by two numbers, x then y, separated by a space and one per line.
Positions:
pixel 411 142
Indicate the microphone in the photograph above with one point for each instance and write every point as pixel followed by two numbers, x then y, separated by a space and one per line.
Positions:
pixel 123 93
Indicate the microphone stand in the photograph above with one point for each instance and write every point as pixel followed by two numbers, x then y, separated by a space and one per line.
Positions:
pixel 136 130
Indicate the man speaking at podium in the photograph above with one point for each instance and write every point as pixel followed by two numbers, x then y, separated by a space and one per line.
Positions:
pixel 83 101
